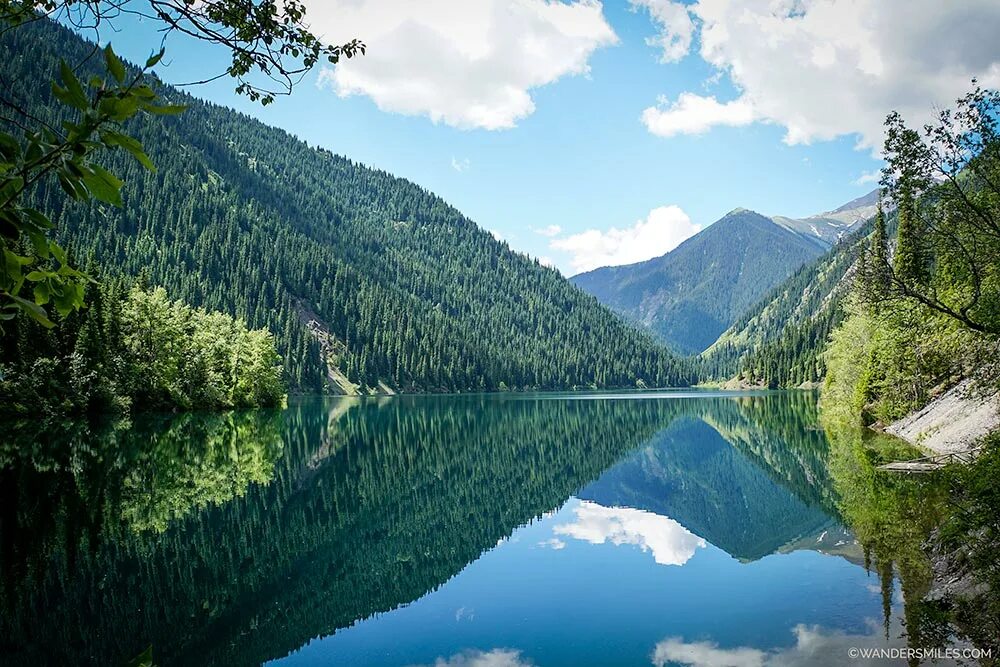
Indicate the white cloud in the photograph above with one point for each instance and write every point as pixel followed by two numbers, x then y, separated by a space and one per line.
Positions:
pixel 495 234
pixel 670 542
pixel 660 232
pixel 705 654
pixel 829 68
pixel 694 114
pixel 460 165
pixel 872 176
pixel 554 543
pixel 674 24
pixel 498 657
pixel 814 647
pixel 545 260
pixel 470 64
pixel 549 231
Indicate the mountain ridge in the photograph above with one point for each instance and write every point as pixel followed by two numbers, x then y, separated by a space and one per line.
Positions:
pixel 247 219
pixel 692 294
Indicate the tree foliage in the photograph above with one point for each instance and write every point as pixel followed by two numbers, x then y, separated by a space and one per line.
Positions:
pixel 67 151
pixel 944 182
pixel 269 42
pixel 267 39
pixel 134 349
pixel 359 274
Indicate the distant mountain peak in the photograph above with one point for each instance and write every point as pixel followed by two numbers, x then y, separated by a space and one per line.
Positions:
pixel 829 227
pixel 692 294
pixel 870 199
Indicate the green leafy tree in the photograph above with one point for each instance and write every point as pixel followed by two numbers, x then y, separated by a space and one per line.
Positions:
pixel 98 107
pixel 944 182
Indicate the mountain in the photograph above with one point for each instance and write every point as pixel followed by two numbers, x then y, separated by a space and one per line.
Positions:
pixel 691 295
pixel 832 226
pixel 368 281
pixel 778 342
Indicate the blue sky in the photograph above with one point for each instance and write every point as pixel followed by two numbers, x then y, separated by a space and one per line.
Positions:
pixel 582 158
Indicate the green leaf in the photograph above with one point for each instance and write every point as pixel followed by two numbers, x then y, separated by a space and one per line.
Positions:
pixel 37 218
pixel 39 242
pixel 33 309
pixel 75 95
pixel 103 185
pixel 144 92
pixel 72 188
pixel 131 145
pixel 153 60
pixel 10 149
pixel 10 185
pixel 70 299
pixel 41 294
pixel 58 252
pixel 120 108
pixel 114 64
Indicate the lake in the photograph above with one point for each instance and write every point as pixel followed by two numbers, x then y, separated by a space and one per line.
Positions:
pixel 689 528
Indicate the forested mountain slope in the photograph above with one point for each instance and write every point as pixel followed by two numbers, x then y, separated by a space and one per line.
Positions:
pixel 343 263
pixel 778 341
pixel 693 293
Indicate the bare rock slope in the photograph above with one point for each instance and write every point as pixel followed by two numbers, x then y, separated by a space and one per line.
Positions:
pixel 953 422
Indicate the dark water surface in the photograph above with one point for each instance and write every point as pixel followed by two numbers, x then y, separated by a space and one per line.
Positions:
pixel 685 528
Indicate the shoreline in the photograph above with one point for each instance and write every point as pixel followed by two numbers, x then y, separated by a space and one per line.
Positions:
pixel 951 423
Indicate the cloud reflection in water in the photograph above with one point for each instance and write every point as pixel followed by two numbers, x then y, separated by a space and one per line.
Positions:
pixel 670 542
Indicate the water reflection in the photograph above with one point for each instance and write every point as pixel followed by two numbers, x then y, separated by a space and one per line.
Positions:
pixel 812 646
pixel 893 517
pixel 670 542
pixel 237 539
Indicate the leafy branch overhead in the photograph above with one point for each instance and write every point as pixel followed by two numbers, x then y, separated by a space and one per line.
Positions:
pixel 944 183
pixel 271 49
pixel 97 109
pixel 270 43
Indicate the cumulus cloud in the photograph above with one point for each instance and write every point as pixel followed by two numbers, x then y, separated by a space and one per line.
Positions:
pixel 669 542
pixel 674 24
pixel 470 64
pixel 660 232
pixel 498 657
pixel 829 68
pixel 694 114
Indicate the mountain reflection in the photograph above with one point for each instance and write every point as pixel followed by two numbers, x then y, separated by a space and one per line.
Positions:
pixel 192 535
pixel 748 476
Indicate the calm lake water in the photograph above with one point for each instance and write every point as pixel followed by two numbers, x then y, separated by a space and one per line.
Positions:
pixel 687 528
